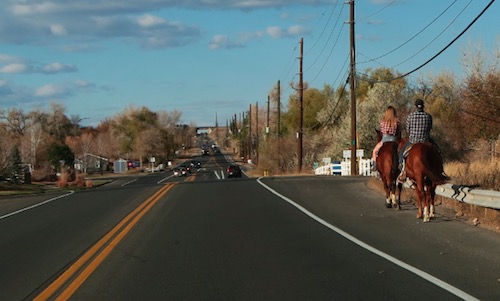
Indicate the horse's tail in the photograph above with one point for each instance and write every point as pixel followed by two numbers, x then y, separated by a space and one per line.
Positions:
pixel 395 159
pixel 434 170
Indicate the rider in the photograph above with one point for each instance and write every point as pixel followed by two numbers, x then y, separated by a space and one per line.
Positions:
pixel 390 130
pixel 418 128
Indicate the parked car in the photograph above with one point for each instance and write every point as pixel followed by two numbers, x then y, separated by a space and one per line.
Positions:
pixel 233 171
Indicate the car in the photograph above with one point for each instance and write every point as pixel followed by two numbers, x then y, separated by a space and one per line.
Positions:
pixel 180 172
pixel 195 164
pixel 233 171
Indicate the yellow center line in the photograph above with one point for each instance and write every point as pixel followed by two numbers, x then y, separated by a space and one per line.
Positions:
pixel 127 224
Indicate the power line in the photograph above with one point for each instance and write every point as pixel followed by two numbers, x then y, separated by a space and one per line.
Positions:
pixel 432 41
pixel 328 40
pixel 440 52
pixel 329 55
pixel 413 37
pixel 378 11
pixel 324 28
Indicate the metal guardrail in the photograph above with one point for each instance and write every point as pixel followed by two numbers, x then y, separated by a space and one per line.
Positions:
pixel 463 194
pixel 470 195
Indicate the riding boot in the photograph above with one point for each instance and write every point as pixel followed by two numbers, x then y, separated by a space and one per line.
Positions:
pixel 402 175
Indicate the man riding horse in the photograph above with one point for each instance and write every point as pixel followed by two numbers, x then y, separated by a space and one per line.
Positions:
pixel 418 128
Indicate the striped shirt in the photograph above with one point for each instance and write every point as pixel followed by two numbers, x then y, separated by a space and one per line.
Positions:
pixel 418 126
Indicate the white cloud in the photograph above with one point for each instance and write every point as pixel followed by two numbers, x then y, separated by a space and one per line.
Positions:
pixel 58 30
pixel 14 68
pixel 274 32
pixel 50 90
pixel 149 20
pixel 6 58
pixel 34 9
pixel 218 42
pixel 132 21
pixel 296 30
pixel 57 68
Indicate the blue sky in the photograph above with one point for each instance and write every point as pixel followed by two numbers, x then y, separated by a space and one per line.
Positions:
pixel 203 57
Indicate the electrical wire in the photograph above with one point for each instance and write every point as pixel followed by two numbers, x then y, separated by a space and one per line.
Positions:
pixel 378 11
pixel 432 41
pixel 328 40
pixel 437 54
pixel 324 28
pixel 410 39
pixel 329 55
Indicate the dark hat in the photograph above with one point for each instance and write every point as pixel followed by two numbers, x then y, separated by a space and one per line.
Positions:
pixel 419 103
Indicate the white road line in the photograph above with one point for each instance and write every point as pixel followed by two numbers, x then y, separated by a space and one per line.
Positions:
pixel 448 287
pixel 131 181
pixel 36 205
pixel 164 179
pixel 217 175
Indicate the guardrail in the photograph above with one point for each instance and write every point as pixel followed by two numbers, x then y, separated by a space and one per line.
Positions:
pixel 470 195
pixel 463 194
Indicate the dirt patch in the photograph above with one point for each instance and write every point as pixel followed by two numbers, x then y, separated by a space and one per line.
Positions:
pixel 477 216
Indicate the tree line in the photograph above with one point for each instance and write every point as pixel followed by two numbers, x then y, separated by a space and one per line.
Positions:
pixel 46 140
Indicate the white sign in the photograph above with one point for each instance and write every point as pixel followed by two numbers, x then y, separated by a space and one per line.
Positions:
pixel 153 159
pixel 327 161
pixel 359 153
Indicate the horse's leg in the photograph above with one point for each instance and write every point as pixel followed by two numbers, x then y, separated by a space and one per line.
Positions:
pixel 399 187
pixel 427 204
pixel 419 191
pixel 395 204
pixel 387 194
pixel 432 195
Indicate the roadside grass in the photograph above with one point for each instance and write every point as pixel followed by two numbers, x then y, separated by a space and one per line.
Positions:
pixel 7 189
pixel 484 173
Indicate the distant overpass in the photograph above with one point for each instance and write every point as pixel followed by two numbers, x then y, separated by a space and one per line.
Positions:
pixel 204 129
pixel 208 129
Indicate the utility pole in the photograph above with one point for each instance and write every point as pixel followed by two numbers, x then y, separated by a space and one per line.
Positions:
pixel 352 83
pixel 250 133
pixel 279 109
pixel 301 105
pixel 268 109
pixel 216 129
pixel 257 133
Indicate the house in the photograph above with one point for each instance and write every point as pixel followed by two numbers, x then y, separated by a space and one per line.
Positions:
pixel 91 163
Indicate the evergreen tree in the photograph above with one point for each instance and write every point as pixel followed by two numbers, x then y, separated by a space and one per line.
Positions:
pixel 15 171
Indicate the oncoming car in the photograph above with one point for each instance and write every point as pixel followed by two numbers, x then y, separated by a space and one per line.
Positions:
pixel 180 172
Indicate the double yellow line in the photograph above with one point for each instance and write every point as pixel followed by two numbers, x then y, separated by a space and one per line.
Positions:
pixel 69 281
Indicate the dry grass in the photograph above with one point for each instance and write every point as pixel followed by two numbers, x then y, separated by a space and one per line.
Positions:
pixel 484 174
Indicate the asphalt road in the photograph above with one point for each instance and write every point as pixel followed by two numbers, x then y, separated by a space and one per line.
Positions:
pixel 206 237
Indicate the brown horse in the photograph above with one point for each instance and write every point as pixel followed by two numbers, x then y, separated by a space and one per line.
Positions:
pixel 424 167
pixel 387 166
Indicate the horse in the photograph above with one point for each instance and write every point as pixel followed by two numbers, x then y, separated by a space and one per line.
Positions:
pixel 387 166
pixel 424 167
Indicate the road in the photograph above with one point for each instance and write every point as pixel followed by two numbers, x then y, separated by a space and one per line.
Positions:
pixel 206 237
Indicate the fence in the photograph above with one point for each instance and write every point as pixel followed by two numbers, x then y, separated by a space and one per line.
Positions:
pixel 344 168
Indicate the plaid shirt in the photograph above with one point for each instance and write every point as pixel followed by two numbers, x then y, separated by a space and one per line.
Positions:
pixel 386 129
pixel 418 126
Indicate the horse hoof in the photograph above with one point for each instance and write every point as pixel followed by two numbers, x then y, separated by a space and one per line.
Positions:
pixel 388 205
